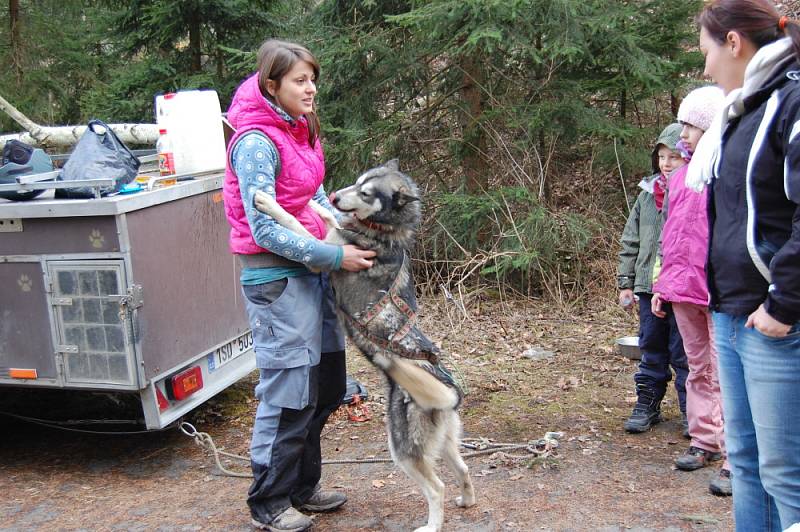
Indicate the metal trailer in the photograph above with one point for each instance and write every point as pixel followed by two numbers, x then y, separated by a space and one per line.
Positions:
pixel 129 293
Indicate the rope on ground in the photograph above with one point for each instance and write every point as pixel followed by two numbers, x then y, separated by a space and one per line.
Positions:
pixel 542 447
pixel 204 440
pixel 533 449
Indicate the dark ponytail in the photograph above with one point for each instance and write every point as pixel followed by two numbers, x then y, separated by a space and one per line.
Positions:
pixel 758 21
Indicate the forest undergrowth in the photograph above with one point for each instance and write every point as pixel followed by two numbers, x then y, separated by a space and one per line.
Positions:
pixel 507 243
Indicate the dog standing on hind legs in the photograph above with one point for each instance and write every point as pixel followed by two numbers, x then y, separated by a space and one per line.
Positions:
pixel 378 309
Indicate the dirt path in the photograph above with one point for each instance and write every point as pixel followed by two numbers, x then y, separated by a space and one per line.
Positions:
pixel 599 479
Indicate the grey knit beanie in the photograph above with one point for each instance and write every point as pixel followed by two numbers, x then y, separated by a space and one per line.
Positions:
pixel 669 137
pixel 699 106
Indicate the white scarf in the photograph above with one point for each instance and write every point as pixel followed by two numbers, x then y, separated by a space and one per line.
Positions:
pixel 761 68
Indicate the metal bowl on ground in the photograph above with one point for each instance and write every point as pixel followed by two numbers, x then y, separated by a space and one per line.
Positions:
pixel 628 346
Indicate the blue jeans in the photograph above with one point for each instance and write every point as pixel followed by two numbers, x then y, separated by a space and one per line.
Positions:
pixel 760 381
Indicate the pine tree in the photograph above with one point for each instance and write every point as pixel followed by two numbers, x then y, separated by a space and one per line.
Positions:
pixel 493 85
pixel 53 52
pixel 163 45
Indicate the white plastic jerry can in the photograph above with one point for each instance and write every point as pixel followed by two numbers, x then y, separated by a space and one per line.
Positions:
pixel 194 121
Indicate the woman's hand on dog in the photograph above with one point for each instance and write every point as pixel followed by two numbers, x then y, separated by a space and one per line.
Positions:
pixel 356 259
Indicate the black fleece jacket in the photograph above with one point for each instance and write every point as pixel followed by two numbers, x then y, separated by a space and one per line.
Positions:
pixel 754 254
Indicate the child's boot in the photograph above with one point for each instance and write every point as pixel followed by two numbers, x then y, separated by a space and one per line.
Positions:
pixel 647 411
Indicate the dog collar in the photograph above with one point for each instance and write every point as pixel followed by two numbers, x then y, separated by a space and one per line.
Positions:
pixel 375 226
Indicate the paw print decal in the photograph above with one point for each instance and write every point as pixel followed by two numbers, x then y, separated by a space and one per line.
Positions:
pixel 97 239
pixel 25 283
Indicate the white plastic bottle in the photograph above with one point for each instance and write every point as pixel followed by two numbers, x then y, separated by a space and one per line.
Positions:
pixel 166 157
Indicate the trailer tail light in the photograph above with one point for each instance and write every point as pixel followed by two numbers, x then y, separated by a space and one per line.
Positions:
pixel 18 373
pixel 185 383
pixel 163 404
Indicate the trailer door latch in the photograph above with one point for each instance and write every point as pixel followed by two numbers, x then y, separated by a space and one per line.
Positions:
pixel 133 299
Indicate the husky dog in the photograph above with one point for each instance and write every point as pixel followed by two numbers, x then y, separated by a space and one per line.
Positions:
pixel 378 307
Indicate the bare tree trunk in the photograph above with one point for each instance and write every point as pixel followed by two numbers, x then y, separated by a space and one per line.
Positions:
pixel 16 40
pixel 544 183
pixel 194 42
pixel 220 57
pixel 473 162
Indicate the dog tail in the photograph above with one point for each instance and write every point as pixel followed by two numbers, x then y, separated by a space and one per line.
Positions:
pixel 427 391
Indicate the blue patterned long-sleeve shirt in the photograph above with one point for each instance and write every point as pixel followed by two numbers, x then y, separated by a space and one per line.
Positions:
pixel 255 160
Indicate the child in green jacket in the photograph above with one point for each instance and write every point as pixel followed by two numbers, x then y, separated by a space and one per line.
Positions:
pixel 659 340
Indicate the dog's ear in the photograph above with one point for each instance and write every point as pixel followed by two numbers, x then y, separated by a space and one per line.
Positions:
pixel 403 196
pixel 393 165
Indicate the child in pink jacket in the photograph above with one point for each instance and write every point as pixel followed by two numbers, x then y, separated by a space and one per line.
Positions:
pixel 682 282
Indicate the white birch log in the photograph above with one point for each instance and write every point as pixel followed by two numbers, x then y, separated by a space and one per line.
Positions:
pixel 65 136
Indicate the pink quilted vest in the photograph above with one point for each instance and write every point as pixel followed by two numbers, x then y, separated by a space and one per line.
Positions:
pixel 302 168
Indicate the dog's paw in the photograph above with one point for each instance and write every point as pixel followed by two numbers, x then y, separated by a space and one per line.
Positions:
pixel 465 502
pixel 427 528
pixel 261 200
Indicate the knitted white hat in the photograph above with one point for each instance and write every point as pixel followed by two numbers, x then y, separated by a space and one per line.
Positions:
pixel 699 106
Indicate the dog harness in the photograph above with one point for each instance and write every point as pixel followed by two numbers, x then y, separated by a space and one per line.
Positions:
pixel 392 300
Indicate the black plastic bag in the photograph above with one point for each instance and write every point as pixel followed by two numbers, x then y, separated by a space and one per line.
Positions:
pixel 98 155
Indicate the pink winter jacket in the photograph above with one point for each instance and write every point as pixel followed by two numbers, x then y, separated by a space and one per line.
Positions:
pixel 302 168
pixel 684 244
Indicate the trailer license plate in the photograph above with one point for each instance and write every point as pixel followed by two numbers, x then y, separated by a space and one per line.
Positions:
pixel 231 350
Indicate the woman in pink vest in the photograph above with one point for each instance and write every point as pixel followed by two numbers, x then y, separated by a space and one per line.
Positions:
pixel 299 345
pixel 682 282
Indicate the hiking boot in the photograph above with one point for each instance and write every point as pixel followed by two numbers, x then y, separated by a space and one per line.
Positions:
pixel 290 520
pixel 685 425
pixel 642 418
pixel 324 501
pixel 646 412
pixel 721 484
pixel 695 458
